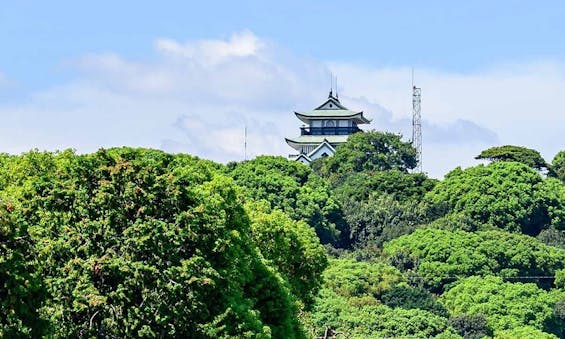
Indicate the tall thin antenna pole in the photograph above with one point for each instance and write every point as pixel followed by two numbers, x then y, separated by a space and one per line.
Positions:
pixel 336 93
pixel 417 124
pixel 245 143
pixel 331 83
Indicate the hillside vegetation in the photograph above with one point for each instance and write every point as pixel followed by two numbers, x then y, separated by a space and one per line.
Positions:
pixel 130 242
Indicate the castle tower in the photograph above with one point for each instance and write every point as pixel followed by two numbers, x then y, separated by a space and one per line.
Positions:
pixel 326 127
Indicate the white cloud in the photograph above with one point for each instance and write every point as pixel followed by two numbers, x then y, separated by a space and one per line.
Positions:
pixel 198 96
pixel 212 52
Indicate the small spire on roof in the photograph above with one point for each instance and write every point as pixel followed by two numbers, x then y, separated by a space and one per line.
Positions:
pixel 336 94
pixel 331 85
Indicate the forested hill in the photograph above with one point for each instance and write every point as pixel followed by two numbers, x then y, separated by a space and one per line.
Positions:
pixel 131 242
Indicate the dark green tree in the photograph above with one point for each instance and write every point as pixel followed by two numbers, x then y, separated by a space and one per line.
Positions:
pixel 140 243
pixel 508 195
pixel 350 303
pixel 381 218
pixel 558 165
pixel 409 298
pixel 505 305
pixel 471 326
pixel 22 291
pixel 402 186
pixel 527 156
pixel 292 247
pixel 370 151
pixel 437 256
pixel 552 237
pixel 293 188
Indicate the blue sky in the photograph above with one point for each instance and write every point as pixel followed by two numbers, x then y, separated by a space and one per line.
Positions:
pixel 64 61
pixel 458 36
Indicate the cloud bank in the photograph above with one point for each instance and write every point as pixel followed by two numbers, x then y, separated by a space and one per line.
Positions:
pixel 198 96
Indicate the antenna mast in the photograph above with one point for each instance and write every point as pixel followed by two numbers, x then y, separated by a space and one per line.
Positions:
pixel 336 93
pixel 417 124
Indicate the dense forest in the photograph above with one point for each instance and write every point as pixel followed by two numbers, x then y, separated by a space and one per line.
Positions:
pixel 130 242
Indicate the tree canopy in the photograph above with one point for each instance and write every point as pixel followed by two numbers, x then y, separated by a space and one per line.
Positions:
pixel 526 156
pixel 508 195
pixel 402 186
pixel 558 165
pixel 437 256
pixel 381 218
pixel 130 242
pixel 505 305
pixel 290 246
pixel 350 302
pixel 293 188
pixel 370 151
pixel 135 242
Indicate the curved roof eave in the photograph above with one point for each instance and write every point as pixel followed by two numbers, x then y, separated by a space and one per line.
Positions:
pixel 292 143
pixel 359 118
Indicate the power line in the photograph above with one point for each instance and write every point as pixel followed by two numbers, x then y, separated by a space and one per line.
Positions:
pixel 489 275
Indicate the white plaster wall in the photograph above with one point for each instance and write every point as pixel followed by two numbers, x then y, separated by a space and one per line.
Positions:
pixel 322 150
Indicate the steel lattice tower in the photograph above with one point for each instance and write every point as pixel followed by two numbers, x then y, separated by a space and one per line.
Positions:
pixel 417 126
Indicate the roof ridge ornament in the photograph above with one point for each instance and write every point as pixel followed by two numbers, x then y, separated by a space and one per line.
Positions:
pixel 331 95
pixel 331 85
pixel 336 94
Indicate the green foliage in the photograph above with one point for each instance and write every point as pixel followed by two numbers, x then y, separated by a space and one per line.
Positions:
pixel 552 196
pixel 409 298
pixel 439 255
pixel 383 322
pixel 402 186
pixel 291 247
pixel 459 222
pixel 349 302
pixel 471 326
pixel 524 332
pixel 558 165
pixel 505 305
pixel 369 178
pixel 294 189
pixel 351 279
pixel 136 242
pixel 366 318
pixel 552 237
pixel 21 288
pixel 381 218
pixel 526 156
pixel 140 243
pixel 559 308
pixel 370 151
pixel 560 279
pixel 508 195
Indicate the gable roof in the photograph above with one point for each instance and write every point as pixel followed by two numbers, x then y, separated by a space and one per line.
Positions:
pixel 303 156
pixel 331 103
pixel 332 109
pixel 324 143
